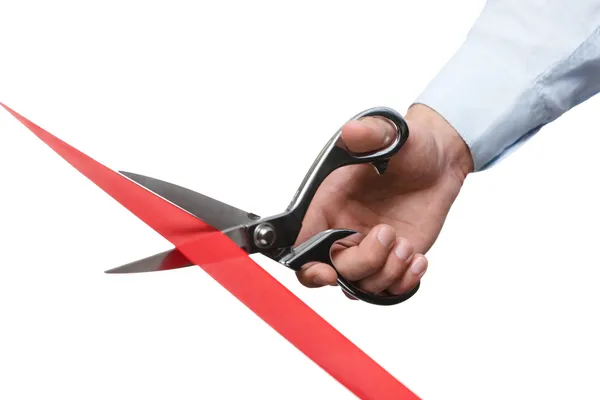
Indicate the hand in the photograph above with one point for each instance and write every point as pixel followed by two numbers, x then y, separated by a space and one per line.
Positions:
pixel 399 214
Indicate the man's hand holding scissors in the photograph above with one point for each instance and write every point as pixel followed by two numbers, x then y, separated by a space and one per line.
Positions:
pixel 400 213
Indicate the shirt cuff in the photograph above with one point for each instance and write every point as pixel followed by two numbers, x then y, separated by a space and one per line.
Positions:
pixel 488 99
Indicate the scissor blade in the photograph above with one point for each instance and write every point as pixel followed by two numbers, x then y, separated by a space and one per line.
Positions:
pixel 171 259
pixel 209 210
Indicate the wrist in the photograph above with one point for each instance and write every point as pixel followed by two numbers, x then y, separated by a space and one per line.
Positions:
pixel 455 153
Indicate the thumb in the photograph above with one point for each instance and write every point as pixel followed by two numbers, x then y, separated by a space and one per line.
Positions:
pixel 368 134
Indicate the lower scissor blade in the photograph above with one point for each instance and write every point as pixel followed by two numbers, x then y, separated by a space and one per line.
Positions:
pixel 171 259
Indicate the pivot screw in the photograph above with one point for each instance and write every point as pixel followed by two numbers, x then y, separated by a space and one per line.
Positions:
pixel 264 235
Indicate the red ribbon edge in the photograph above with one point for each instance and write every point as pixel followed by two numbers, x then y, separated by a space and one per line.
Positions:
pixel 241 276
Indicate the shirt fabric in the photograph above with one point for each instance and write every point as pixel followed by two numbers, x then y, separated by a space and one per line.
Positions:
pixel 523 64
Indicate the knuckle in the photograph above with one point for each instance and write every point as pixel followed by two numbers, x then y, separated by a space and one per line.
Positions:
pixel 372 261
pixel 390 274
pixel 384 279
pixel 394 272
pixel 396 288
pixel 376 285
pixel 403 286
pixel 370 287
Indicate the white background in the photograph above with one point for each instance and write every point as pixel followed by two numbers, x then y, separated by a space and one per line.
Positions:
pixel 235 99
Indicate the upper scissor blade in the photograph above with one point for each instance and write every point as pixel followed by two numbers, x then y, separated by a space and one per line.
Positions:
pixel 209 210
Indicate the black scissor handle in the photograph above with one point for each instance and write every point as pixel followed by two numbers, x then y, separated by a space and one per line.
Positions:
pixel 335 154
pixel 318 249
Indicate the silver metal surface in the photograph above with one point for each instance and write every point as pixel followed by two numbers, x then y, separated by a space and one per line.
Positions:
pixel 209 210
pixel 335 154
pixel 173 259
pixel 264 235
pixel 157 262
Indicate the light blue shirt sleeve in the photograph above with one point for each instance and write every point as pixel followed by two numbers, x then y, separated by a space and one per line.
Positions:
pixel 523 64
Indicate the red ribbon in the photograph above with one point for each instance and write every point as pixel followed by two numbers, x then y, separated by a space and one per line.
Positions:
pixel 241 276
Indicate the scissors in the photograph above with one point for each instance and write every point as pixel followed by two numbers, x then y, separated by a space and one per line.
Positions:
pixel 275 236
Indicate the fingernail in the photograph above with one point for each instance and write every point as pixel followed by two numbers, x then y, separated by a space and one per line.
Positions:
pixel 419 266
pixel 387 138
pixel 386 236
pixel 388 135
pixel 403 250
